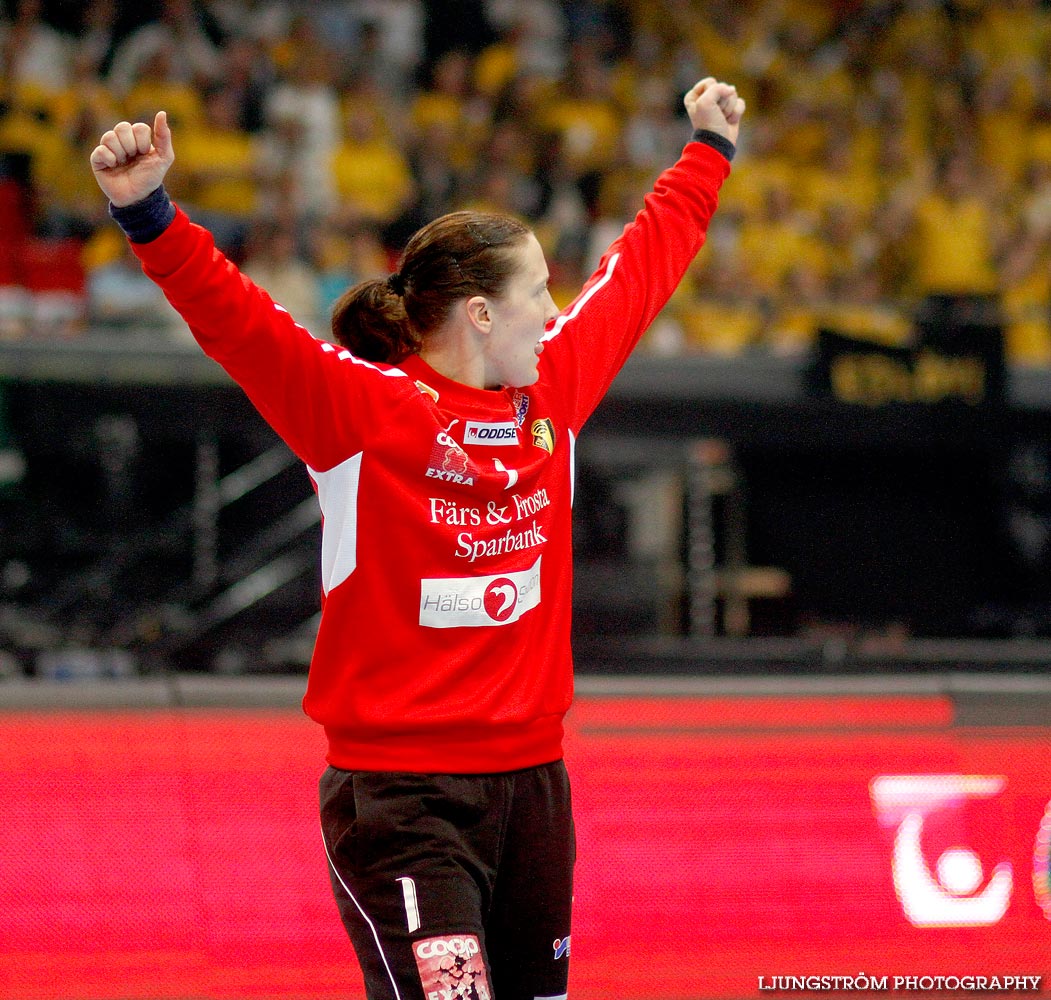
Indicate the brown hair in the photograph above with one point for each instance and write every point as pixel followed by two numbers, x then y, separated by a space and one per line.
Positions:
pixel 456 256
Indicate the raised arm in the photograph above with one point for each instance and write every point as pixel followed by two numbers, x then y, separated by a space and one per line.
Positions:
pixel 591 339
pixel 301 386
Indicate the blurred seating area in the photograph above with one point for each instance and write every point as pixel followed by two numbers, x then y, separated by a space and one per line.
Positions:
pixel 897 152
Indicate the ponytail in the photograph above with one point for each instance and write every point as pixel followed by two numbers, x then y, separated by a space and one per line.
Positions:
pixel 369 320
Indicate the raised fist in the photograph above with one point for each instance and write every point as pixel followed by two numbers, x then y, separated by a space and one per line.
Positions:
pixel 716 107
pixel 130 161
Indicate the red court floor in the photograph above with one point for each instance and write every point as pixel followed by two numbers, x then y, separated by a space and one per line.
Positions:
pixel 176 853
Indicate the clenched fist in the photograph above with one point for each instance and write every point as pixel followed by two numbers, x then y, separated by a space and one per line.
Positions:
pixel 130 161
pixel 715 106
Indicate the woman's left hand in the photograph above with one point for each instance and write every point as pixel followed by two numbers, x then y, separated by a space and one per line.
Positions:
pixel 715 106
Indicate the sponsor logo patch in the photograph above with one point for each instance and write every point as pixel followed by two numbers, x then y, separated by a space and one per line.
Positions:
pixel 561 946
pixel 520 401
pixel 543 431
pixel 451 968
pixel 500 599
pixel 503 433
pixel 473 601
pixel 449 462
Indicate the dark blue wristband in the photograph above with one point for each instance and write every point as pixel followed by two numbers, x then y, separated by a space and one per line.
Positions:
pixel 145 220
pixel 718 142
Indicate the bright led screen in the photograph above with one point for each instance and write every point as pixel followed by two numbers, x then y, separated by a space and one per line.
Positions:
pixel 728 848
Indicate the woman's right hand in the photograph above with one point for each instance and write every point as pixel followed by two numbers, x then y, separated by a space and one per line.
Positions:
pixel 130 161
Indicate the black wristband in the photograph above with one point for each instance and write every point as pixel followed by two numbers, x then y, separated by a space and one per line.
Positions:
pixel 145 220
pixel 718 142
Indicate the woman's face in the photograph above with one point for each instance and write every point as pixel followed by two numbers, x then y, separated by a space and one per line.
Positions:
pixel 519 317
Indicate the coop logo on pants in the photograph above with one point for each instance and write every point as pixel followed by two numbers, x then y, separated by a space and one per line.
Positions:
pixel 472 601
pixel 451 968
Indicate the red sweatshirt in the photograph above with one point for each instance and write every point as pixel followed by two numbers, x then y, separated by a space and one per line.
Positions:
pixel 446 559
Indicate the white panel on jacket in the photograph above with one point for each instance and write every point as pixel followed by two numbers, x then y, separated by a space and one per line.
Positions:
pixel 337 492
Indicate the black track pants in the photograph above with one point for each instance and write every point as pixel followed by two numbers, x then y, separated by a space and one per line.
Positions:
pixel 454 887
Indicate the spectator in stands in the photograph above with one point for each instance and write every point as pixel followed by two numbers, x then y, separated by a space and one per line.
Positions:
pixel 799 308
pixel 448 101
pixel 1027 305
pixel 266 22
pixel 371 174
pixel 221 170
pixel 852 104
pixel 87 91
pixel 956 238
pixel 438 173
pixel 389 46
pixel 97 40
pixel 845 238
pixel 778 240
pixel 918 55
pixel 185 33
pixel 502 178
pixel 157 82
pixel 370 62
pixel 1034 211
pixel 1002 106
pixel 273 262
pixel 303 119
pixel 1038 127
pixel 247 75
pixel 1025 274
pixel 34 57
pixel 584 114
pixel 342 256
pixel 63 208
pixel 563 227
pixel 717 35
pixel 717 312
pixel 769 167
pixel 606 25
pixel 649 132
pixel 1012 35
pixel 121 297
pixel 531 40
pixel 839 174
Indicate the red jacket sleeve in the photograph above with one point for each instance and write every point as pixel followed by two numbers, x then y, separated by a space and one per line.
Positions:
pixel 312 393
pixel 592 338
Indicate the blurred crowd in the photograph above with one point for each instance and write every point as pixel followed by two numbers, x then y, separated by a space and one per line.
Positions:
pixel 895 152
